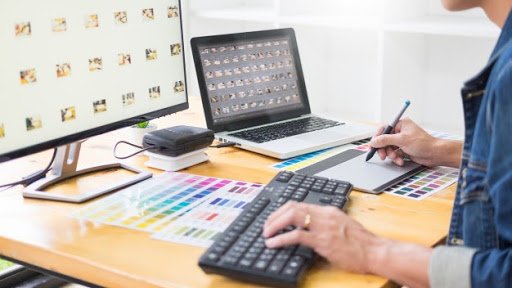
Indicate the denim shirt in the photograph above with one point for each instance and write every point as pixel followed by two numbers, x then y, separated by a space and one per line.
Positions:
pixel 482 212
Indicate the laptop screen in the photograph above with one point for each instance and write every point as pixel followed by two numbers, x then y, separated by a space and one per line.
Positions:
pixel 250 78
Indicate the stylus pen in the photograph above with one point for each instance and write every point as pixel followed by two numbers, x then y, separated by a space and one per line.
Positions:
pixel 390 128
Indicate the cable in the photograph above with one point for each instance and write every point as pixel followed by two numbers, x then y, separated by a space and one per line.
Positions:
pixel 224 145
pixel 27 180
pixel 133 154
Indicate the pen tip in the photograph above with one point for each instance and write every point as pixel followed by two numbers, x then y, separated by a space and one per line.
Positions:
pixel 407 102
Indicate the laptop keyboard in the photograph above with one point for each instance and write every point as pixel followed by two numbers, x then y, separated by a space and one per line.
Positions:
pixel 286 129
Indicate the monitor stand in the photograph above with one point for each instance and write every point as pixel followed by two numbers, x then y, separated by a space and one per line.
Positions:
pixel 64 167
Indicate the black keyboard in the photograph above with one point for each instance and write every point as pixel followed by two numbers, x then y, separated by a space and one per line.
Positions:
pixel 286 129
pixel 240 251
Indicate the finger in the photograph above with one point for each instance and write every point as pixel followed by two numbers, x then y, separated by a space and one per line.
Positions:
pixel 390 151
pixel 382 154
pixel 297 236
pixel 386 140
pixel 400 155
pixel 293 216
pixel 279 212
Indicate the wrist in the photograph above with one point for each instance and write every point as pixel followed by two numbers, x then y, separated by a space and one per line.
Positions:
pixel 446 153
pixel 376 254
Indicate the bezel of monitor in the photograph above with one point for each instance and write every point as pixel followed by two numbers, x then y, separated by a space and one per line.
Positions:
pixel 254 35
pixel 109 127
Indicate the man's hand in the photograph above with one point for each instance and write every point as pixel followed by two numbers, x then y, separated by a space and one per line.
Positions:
pixel 412 141
pixel 331 233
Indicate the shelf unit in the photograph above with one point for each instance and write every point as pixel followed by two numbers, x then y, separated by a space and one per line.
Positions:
pixel 362 58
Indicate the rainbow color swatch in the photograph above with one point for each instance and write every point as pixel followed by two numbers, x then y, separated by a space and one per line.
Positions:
pixel 153 205
pixel 305 160
pixel 425 183
pixel 206 221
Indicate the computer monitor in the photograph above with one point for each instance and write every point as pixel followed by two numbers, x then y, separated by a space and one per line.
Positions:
pixel 72 70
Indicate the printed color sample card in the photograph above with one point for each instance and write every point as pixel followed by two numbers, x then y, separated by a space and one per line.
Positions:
pixel 200 226
pixel 154 204
pixel 425 183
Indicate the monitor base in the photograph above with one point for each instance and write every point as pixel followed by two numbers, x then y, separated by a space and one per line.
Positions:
pixel 65 167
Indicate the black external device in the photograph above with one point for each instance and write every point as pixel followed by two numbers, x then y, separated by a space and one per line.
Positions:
pixel 178 140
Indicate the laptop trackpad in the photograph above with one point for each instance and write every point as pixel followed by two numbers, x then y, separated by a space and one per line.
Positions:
pixel 325 135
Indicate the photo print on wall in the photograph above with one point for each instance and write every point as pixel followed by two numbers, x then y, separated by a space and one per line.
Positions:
pixel 28 76
pixel 173 12
pixel 179 86
pixel 63 70
pixel 100 106
pixel 175 49
pixel 92 21
pixel 151 54
pixel 59 25
pixel 128 99
pixel 22 29
pixel 148 14
pixel 154 92
pixel 68 114
pixel 95 64
pixel 33 122
pixel 121 17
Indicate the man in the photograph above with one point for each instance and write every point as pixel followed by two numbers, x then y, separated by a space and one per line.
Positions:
pixel 479 251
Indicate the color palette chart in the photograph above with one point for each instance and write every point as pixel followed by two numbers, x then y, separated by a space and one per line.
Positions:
pixel 305 160
pixel 155 204
pixel 206 221
pixel 425 183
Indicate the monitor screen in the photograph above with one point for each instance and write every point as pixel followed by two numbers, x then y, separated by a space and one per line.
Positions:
pixel 250 78
pixel 74 69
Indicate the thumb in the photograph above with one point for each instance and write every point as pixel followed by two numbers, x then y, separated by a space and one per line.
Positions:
pixel 386 140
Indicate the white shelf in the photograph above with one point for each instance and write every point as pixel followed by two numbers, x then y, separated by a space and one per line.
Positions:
pixel 446 25
pixel 253 15
pixel 331 22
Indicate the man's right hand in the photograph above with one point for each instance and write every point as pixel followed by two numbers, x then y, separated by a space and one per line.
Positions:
pixel 408 139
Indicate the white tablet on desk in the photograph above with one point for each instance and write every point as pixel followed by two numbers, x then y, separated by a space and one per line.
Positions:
pixel 373 176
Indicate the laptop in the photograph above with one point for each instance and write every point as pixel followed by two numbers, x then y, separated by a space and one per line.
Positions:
pixel 254 94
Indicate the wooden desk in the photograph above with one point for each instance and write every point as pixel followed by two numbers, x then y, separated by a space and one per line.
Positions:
pixel 43 234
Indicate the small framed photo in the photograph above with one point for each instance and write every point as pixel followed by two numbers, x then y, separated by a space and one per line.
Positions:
pixel 124 59
pixel 95 64
pixel 151 54
pixel 22 29
pixel 28 76
pixel 128 99
pixel 148 14
pixel 173 12
pixel 92 21
pixel 2 130
pixel 33 122
pixel 63 70
pixel 59 25
pixel 68 114
pixel 175 49
pixel 100 106
pixel 154 92
pixel 179 86
pixel 121 17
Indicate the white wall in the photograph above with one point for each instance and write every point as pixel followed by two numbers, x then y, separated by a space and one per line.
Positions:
pixel 362 58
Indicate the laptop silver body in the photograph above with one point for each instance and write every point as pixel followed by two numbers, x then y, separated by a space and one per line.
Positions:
pixel 255 79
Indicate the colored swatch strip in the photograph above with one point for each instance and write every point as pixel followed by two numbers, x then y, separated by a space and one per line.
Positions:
pixel 425 183
pixel 210 218
pixel 299 162
pixel 155 203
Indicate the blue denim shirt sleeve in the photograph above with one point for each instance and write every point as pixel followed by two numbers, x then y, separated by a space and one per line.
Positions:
pixel 493 267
